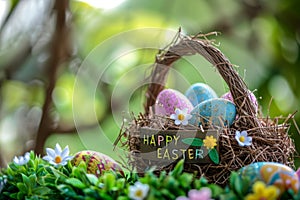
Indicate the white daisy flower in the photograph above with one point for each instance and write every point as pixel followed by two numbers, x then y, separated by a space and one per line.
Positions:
pixel 58 157
pixel 243 139
pixel 22 160
pixel 138 191
pixel 3 181
pixel 181 116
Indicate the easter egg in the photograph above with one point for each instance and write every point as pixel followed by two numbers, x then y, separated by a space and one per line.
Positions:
pixel 97 163
pixel 217 112
pixel 229 97
pixel 271 173
pixel 168 100
pixel 298 173
pixel 200 92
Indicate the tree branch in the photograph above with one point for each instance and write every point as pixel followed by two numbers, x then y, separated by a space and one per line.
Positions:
pixel 2 163
pixel 59 52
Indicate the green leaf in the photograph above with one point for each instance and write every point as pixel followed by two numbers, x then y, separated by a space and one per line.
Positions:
pixel 229 196
pixel 109 180
pixel 58 174
pixel 246 185
pixel 41 191
pixel 90 192
pixel 12 196
pixel 216 190
pixel 49 179
pixel 162 175
pixel 232 178
pixel 92 179
pixel 75 183
pixel 178 168
pixel 196 184
pixel 237 184
pixel 214 156
pixel 170 182
pixel 167 194
pixel 20 195
pixel 30 164
pixel 203 181
pixel 26 181
pixel 76 172
pixel 121 182
pixel 22 187
pixel 193 142
pixel 14 167
pixel 122 198
pixel 66 190
pixel 41 169
pixel 185 180
pixel 10 171
pixel 32 179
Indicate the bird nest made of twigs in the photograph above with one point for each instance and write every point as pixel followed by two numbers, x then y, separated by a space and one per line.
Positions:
pixel 270 139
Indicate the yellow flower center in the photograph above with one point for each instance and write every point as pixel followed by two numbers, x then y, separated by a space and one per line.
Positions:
pixel 181 117
pixel 242 139
pixel 139 193
pixel 57 159
pixel 210 142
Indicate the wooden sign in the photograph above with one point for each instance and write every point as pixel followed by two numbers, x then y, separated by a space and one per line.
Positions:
pixel 194 146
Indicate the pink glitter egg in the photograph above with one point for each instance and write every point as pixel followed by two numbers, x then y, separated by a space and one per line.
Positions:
pixel 298 173
pixel 229 97
pixel 168 100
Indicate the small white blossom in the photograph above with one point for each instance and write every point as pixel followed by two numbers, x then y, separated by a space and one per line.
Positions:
pixel 58 157
pixel 22 160
pixel 243 139
pixel 2 183
pixel 138 191
pixel 181 116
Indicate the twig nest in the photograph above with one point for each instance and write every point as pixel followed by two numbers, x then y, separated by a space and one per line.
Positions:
pixel 270 139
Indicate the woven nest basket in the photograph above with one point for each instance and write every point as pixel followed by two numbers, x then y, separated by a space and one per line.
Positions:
pixel 270 139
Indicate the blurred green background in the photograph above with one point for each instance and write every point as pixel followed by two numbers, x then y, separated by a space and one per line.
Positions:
pixel 72 71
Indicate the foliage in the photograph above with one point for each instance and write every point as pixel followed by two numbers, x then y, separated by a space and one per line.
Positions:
pixel 39 180
pixel 261 37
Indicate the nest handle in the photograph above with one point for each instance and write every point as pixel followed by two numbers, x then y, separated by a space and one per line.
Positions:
pixel 186 46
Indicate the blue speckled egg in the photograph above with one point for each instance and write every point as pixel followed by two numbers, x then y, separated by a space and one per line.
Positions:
pixel 200 92
pixel 271 173
pixel 217 112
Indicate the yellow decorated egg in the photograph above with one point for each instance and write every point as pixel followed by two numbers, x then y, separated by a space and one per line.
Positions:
pixel 97 163
pixel 279 175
